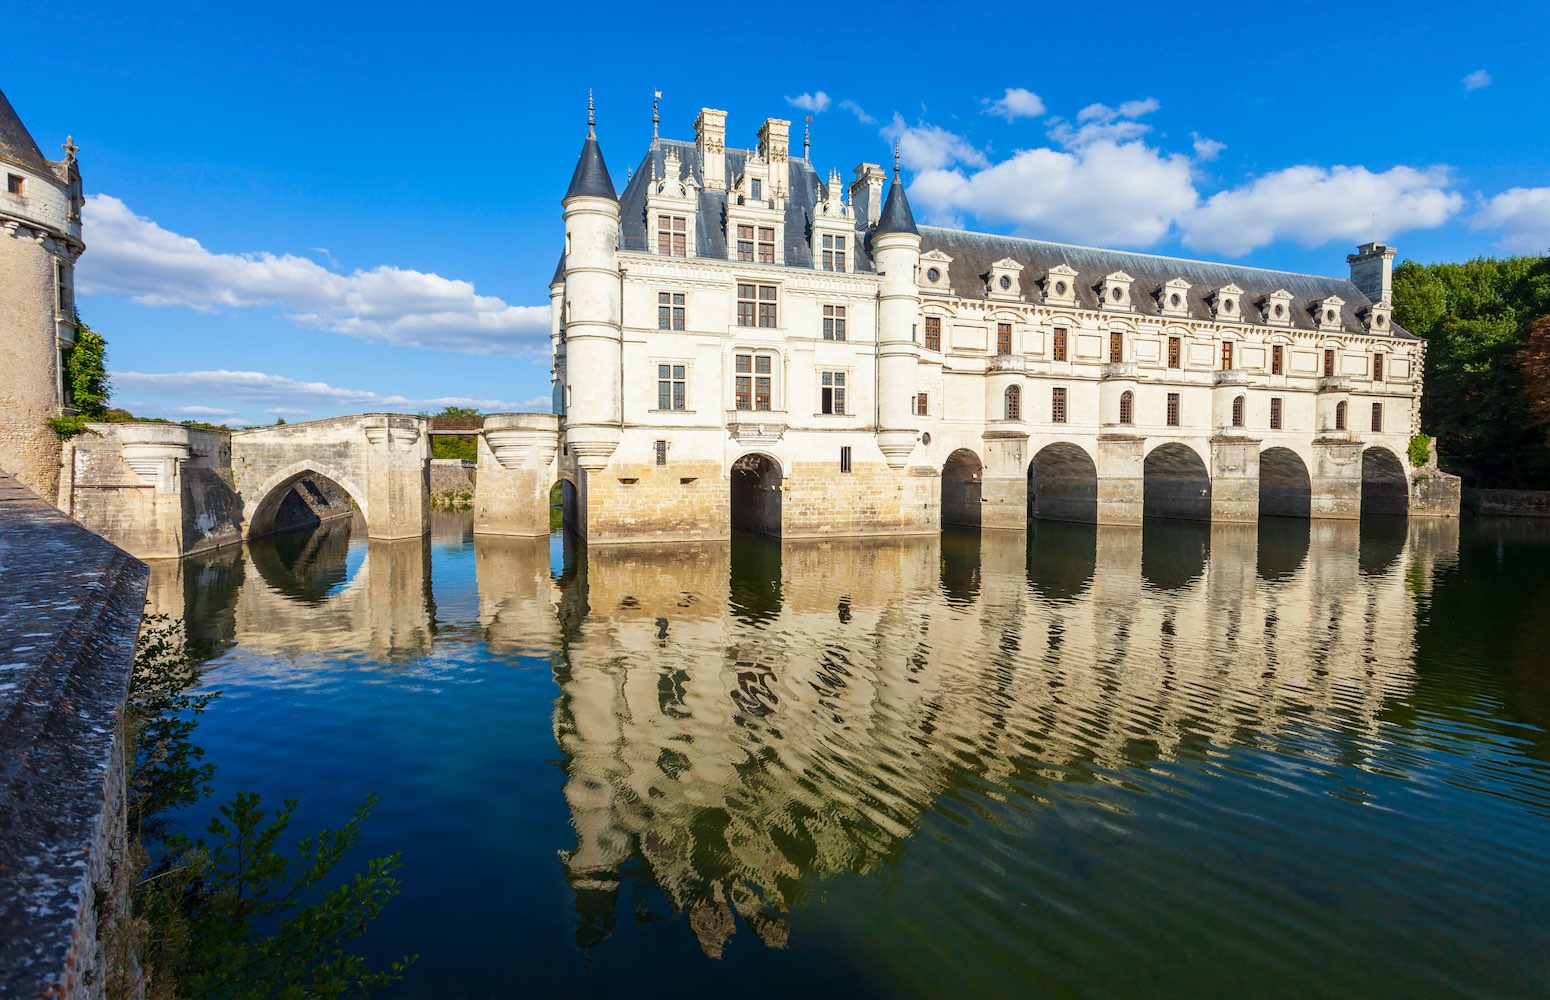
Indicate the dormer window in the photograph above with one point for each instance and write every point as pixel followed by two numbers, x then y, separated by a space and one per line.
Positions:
pixel 672 235
pixel 1227 303
pixel 933 269
pixel 1378 318
pixel 833 254
pixel 1005 280
pixel 756 189
pixel 756 243
pixel 1060 285
pixel 15 184
pixel 1114 291
pixel 1326 312
pixel 1277 308
pixel 1173 298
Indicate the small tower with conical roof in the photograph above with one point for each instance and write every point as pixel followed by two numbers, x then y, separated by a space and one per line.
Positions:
pixel 896 251
pixel 40 241
pixel 589 320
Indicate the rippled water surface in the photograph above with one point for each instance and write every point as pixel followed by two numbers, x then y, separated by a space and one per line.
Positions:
pixel 1181 759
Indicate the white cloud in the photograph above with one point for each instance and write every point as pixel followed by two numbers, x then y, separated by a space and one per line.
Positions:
pixel 931 147
pixel 859 112
pixel 1129 109
pixel 1101 123
pixel 135 257
pixel 202 411
pixel 284 396
pixel 1474 81
pixel 1206 149
pixel 1103 192
pixel 816 102
pixel 1523 216
pixel 1313 205
pixel 1015 103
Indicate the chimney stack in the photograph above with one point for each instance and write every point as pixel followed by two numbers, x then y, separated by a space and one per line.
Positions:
pixel 710 133
pixel 1372 271
pixel 866 195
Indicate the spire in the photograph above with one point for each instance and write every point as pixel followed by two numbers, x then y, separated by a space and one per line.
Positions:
pixel 896 217
pixel 591 178
pixel 15 141
pixel 656 117
pixel 807 136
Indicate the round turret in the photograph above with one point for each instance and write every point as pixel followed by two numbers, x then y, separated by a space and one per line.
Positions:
pixel 896 250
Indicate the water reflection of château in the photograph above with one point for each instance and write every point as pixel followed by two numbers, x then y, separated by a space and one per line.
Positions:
pixel 739 723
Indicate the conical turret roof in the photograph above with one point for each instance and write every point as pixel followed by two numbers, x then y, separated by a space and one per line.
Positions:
pixel 15 141
pixel 897 217
pixel 591 178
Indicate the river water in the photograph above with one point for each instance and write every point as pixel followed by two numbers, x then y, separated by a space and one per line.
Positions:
pixel 1182 760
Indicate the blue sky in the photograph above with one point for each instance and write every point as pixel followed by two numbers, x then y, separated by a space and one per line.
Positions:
pixel 300 210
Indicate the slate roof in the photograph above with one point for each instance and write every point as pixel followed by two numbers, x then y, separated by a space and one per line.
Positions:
pixel 974 253
pixel 591 177
pixel 710 237
pixel 896 217
pixel 16 142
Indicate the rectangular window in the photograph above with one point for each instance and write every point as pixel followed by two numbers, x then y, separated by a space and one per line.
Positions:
pixel 670 387
pixel 933 333
pixel 1377 367
pixel 673 235
pixel 59 288
pixel 1058 351
pixel 756 189
pixel 1057 405
pixel 14 184
pixel 1175 352
pixel 1003 338
pixel 1377 418
pixel 752 386
pixel 661 452
pixel 1277 359
pixel 922 404
pixel 1173 409
pixel 766 245
pixel 1116 348
pixel 833 392
pixel 670 310
pixel 745 243
pixel 834 249
pixel 1275 413
pixel 756 305
pixel 845 458
pixel 1226 355
pixel 833 322
pixel 1329 364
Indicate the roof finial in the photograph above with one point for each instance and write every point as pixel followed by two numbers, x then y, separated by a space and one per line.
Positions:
pixel 70 149
pixel 807 139
pixel 896 160
pixel 656 118
pixel 591 118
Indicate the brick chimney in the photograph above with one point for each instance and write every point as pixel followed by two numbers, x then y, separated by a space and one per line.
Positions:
pixel 866 195
pixel 710 133
pixel 1372 271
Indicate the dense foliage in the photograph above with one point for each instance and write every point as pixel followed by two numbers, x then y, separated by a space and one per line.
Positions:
pixel 1482 375
pixel 445 446
pixel 234 914
pixel 87 387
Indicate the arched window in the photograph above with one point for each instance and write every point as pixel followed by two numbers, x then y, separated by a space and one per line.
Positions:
pixel 1127 407
pixel 1014 403
pixel 1340 416
pixel 1237 411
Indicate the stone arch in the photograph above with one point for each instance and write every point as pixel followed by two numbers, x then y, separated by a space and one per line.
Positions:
pixel 564 505
pixel 963 476
pixel 1063 484
pixel 1385 488
pixel 755 493
pixel 1175 483
pixel 1285 487
pixel 259 515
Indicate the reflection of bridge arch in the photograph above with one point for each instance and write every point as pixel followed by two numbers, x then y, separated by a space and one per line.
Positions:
pixel 1063 484
pixel 260 510
pixel 307 566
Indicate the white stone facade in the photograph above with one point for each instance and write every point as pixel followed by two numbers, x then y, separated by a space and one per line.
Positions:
pixel 975 379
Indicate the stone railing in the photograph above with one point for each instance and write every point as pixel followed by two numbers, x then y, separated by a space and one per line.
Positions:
pixel 70 607
pixel 1008 363
pixel 756 426
pixel 1334 383
pixel 1232 377
pixel 1121 369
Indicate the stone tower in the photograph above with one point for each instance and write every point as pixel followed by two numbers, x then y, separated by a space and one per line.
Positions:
pixel 896 248
pixel 40 241
pixel 590 321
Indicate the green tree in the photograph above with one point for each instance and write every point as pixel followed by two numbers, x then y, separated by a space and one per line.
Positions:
pixel 86 374
pixel 455 446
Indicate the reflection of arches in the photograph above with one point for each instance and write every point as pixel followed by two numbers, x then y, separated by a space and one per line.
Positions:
pixel 1384 489
pixel 1285 488
pixel 302 495
pixel 1061 558
pixel 1283 546
pixel 962 488
pixel 1063 484
pixel 309 566
pixel 1176 484
pixel 1380 544
pixel 755 489
pixel 754 585
pixel 1172 555
pixel 960 565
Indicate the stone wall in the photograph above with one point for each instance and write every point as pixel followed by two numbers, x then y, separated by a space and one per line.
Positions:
pixel 70 606
pixel 452 482
pixel 1508 503
pixel 29 359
